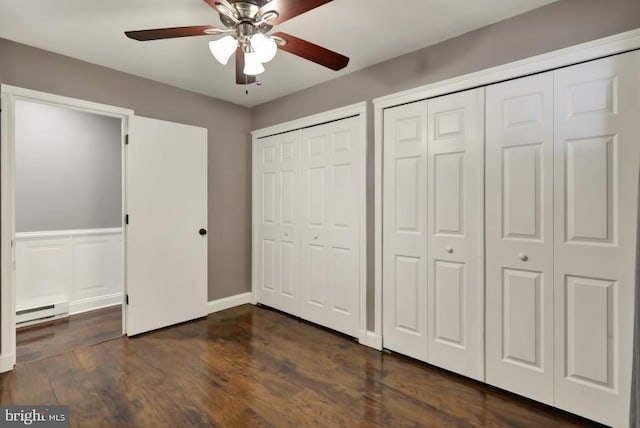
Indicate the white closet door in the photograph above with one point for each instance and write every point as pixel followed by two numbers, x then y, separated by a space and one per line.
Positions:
pixel 278 241
pixel 330 235
pixel 404 263
pixel 456 232
pixel 596 174
pixel 519 236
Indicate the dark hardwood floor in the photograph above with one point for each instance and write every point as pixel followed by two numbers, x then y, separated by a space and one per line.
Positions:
pixel 250 366
pixel 45 340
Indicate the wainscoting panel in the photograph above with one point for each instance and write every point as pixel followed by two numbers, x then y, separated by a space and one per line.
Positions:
pixel 83 268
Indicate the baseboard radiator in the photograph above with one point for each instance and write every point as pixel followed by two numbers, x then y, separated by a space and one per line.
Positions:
pixel 43 313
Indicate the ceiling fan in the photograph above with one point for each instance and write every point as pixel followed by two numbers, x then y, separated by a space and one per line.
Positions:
pixel 247 23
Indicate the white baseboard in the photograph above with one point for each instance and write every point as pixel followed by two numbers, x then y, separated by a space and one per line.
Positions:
pixel 7 361
pixel 229 302
pixel 371 339
pixel 93 303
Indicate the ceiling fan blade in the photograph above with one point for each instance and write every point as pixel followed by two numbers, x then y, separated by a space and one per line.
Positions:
pixel 223 7
pixel 288 9
pixel 171 33
pixel 315 53
pixel 241 78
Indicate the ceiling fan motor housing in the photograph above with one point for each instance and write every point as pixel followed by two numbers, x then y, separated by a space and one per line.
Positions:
pixel 247 22
pixel 244 11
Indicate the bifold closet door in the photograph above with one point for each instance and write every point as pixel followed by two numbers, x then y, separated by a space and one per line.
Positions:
pixel 278 208
pixel 519 236
pixel 597 145
pixel 404 260
pixel 330 216
pixel 433 271
pixel 455 268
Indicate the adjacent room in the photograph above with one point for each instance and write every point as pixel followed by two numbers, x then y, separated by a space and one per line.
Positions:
pixel 69 254
pixel 325 213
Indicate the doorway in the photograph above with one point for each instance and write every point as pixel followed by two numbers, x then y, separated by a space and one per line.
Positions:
pixel 164 201
pixel 63 204
pixel 68 218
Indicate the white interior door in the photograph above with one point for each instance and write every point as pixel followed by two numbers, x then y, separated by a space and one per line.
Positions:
pixel 332 161
pixel 166 256
pixel 404 259
pixel 597 136
pixel 456 233
pixel 519 236
pixel 278 208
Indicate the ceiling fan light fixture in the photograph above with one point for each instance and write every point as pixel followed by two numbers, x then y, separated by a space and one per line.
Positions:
pixel 246 25
pixel 264 46
pixel 223 48
pixel 252 64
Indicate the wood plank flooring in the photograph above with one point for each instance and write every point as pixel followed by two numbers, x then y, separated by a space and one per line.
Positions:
pixel 250 366
pixel 45 340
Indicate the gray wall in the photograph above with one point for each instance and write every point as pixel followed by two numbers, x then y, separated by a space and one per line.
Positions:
pixel 229 151
pixel 68 169
pixel 555 26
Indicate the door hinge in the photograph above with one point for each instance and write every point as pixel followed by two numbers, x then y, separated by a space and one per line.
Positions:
pixel 126 140
pixel 126 299
pixel 126 219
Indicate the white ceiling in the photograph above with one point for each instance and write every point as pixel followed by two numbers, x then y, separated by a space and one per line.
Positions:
pixel 367 31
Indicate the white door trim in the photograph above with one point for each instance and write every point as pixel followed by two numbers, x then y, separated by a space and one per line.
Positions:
pixel 360 110
pixel 606 46
pixel 316 119
pixel 11 94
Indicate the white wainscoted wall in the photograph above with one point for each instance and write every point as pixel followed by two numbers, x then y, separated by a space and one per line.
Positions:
pixel 81 270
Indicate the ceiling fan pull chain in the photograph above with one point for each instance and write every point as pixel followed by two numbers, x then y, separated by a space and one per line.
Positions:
pixel 246 87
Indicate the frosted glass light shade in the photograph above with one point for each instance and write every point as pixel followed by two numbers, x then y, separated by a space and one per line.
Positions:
pixel 252 64
pixel 264 46
pixel 223 48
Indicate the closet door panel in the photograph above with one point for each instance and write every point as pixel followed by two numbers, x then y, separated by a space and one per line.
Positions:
pixel 330 219
pixel 455 233
pixel 519 236
pixel 596 176
pixel 404 269
pixel 278 255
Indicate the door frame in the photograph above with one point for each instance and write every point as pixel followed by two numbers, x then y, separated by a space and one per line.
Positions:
pixel 9 96
pixel 358 110
pixel 607 46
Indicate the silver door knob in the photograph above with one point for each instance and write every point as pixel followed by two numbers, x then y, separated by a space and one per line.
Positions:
pixel 315 236
pixel 449 249
pixel 523 257
pixel 286 234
